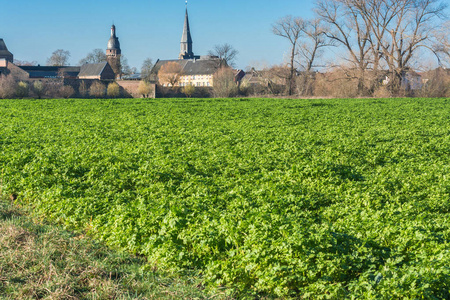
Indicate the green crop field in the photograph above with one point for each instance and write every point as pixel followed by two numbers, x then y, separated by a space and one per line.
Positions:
pixel 314 199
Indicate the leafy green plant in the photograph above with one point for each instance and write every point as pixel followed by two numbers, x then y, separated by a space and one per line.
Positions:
pixel 320 199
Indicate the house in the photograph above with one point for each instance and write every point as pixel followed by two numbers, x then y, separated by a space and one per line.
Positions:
pixel 194 69
pixel 196 72
pixel 101 71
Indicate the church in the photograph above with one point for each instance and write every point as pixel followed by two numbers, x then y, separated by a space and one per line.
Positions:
pixel 194 69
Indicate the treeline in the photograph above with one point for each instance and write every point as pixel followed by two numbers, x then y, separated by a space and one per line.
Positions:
pixel 343 83
pixel 377 46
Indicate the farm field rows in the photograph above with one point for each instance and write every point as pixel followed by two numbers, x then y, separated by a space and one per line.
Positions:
pixel 322 199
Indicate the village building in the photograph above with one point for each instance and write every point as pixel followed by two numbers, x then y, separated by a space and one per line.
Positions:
pixel 101 71
pixel 4 52
pixel 195 70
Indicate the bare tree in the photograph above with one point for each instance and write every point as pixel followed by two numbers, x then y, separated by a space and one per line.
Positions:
pixel 7 86
pixel 170 73
pixel 66 91
pixel 290 28
pixel 146 69
pixel 25 63
pixel 59 57
pixel 401 27
pixel 145 89
pixel 113 90
pixel 94 57
pixel 83 89
pixel 224 84
pixel 97 90
pixel 226 54
pixel 441 47
pixel 350 30
pixel 310 49
pixel 313 41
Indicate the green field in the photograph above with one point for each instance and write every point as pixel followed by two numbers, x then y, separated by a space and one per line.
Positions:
pixel 320 199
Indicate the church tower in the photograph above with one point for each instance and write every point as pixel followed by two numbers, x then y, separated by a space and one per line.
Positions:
pixel 113 52
pixel 186 40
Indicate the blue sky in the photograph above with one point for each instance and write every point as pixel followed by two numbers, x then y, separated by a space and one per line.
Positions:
pixel 33 29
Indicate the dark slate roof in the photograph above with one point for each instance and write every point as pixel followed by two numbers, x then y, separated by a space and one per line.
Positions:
pixel 192 66
pixel 186 37
pixel 50 71
pixel 3 49
pixel 201 67
pixel 92 69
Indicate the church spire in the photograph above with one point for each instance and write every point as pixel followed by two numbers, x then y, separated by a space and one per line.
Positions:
pixel 186 40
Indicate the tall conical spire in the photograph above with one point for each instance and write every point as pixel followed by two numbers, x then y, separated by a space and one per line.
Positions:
pixel 186 39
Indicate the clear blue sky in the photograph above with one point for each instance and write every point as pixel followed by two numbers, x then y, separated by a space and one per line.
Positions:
pixel 33 29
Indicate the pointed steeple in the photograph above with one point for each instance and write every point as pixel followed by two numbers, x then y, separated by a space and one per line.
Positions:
pixel 186 40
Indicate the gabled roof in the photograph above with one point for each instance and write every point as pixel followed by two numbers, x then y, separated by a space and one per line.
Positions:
pixel 92 69
pixel 192 66
pixel 4 52
pixel 50 71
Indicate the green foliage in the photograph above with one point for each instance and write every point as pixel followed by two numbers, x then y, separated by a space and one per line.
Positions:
pixel 319 199
pixel 38 88
pixel 40 261
pixel 22 89
pixel 188 90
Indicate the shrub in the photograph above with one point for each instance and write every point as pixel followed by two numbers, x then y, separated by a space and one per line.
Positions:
pixel 113 90
pixel 66 91
pixel 38 88
pixel 97 90
pixel 7 87
pixel 189 90
pixel 145 89
pixel 22 89
pixel 52 88
pixel 83 90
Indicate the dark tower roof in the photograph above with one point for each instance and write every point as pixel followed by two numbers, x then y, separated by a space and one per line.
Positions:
pixel 4 53
pixel 186 40
pixel 113 43
pixel 186 37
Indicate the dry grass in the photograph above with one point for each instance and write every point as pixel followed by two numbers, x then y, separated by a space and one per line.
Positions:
pixel 44 262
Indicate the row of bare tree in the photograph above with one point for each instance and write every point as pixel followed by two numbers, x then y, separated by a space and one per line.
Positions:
pixel 381 39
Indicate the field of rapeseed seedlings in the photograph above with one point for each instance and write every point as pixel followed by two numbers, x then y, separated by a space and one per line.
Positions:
pixel 286 198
